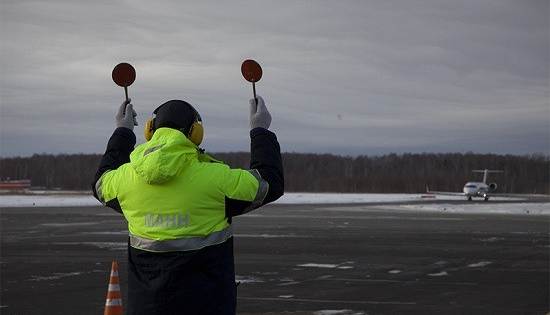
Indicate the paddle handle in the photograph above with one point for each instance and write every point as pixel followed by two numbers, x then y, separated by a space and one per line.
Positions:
pixel 254 90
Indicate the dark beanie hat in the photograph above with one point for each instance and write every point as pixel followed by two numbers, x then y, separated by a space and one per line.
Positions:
pixel 176 114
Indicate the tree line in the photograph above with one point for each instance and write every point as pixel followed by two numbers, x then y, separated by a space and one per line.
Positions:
pixel 391 173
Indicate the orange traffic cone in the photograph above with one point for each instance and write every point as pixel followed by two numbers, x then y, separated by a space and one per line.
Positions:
pixel 113 304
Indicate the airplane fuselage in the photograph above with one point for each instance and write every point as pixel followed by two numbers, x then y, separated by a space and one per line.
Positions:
pixel 476 189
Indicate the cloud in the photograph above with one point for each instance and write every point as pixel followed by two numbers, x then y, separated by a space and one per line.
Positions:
pixel 350 78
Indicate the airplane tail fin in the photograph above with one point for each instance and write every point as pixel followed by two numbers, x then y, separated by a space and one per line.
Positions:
pixel 486 172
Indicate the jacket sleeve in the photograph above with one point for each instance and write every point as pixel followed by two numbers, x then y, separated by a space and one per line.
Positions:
pixel 247 190
pixel 118 151
pixel 265 157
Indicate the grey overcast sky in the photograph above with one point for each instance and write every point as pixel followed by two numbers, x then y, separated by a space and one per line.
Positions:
pixel 342 77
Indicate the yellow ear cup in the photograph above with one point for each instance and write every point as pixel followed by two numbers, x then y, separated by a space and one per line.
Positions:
pixel 196 133
pixel 149 129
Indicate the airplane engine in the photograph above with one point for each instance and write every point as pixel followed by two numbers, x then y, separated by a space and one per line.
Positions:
pixel 493 186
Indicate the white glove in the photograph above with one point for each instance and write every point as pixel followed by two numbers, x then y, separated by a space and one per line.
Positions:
pixel 259 115
pixel 126 115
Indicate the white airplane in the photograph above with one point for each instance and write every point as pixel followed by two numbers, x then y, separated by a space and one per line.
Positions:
pixel 473 189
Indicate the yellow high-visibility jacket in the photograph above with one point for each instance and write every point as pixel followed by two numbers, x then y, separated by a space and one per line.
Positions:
pixel 174 197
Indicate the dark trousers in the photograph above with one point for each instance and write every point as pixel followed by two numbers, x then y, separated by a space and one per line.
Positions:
pixel 194 282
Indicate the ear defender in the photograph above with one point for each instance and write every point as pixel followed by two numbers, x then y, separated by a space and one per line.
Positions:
pixel 196 132
pixel 149 129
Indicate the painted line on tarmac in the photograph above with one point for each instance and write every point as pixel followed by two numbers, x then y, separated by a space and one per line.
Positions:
pixel 327 301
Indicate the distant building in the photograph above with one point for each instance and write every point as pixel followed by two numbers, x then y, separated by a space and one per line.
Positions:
pixel 15 185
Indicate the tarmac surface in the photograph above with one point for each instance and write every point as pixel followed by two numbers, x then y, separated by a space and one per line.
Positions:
pixel 299 259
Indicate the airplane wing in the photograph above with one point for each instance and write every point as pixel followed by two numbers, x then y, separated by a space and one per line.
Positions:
pixel 443 193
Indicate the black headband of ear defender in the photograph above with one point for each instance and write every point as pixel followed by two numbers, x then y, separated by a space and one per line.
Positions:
pixel 176 114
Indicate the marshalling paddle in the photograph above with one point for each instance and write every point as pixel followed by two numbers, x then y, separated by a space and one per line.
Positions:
pixel 252 72
pixel 124 75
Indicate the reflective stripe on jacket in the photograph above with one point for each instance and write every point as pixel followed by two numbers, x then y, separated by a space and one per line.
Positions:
pixel 175 198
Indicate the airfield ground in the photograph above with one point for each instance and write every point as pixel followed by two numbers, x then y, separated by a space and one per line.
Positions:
pixel 299 259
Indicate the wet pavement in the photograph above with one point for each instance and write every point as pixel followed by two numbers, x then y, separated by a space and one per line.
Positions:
pixel 299 259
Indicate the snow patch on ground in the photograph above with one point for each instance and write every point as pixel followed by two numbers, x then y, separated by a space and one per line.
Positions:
pixel 82 200
pixel 502 208
pixel 317 198
pixel 337 312
pixel 314 265
pixel 102 245
pixel 55 276
pixel 344 265
pixel 480 264
pixel 247 279
pixel 48 201
pixel 342 198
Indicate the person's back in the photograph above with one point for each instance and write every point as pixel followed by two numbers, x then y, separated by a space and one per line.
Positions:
pixel 179 203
